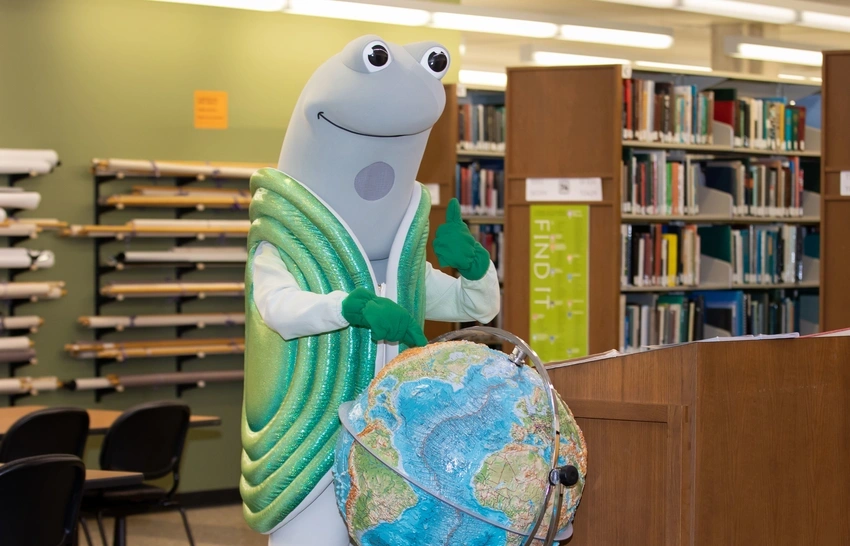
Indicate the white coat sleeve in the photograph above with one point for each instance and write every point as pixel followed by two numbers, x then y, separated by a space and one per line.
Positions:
pixel 287 309
pixel 451 299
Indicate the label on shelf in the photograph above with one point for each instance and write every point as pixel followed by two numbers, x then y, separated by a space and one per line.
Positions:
pixel 563 189
pixel 434 190
pixel 845 183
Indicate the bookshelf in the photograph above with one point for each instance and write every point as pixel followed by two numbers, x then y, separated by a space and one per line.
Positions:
pixel 549 137
pixel 835 204
pixel 445 155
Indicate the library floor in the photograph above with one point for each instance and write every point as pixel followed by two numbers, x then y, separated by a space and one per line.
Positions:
pixel 220 526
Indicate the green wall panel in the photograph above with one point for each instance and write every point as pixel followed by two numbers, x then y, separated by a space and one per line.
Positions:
pixel 115 78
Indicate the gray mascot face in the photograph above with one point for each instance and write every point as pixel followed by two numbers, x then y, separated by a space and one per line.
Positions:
pixel 359 130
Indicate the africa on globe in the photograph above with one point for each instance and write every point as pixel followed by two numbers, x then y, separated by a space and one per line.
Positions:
pixel 468 437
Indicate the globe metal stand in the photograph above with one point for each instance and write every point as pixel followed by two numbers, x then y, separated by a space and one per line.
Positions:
pixel 560 477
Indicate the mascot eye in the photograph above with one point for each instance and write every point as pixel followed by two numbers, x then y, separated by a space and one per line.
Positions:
pixel 436 61
pixel 376 56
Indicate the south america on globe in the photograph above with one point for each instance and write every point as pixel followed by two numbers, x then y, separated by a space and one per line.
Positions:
pixel 470 427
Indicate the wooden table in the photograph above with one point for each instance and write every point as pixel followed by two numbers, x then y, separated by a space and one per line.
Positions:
pixel 99 419
pixel 104 479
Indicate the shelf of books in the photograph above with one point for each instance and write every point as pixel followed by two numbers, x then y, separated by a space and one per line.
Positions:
pixel 710 188
pixel 465 159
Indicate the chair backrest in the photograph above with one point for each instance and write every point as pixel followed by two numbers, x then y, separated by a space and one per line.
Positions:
pixel 147 438
pixel 44 432
pixel 40 499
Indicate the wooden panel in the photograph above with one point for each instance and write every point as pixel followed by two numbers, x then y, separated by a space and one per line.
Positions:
pixel 835 226
pixel 517 281
pixel 836 110
pixel 563 121
pixel 665 376
pixel 831 184
pixel 438 167
pixel 619 411
pixel 623 503
pixel 604 305
pixel 771 457
pixel 835 264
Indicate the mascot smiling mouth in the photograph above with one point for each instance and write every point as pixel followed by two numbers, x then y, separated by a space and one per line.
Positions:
pixel 321 115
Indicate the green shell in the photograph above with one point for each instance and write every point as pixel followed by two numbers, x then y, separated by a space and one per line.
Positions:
pixel 294 388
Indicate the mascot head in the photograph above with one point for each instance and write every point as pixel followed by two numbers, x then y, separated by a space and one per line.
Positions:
pixel 359 131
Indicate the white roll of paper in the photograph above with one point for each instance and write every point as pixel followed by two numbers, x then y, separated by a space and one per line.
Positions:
pixel 152 321
pixel 13 290
pixel 22 258
pixel 20 323
pixel 27 200
pixel 91 383
pixel 47 156
pixel 187 255
pixel 14 385
pixel 19 343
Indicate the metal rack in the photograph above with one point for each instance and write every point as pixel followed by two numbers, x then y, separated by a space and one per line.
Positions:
pixel 11 305
pixel 103 174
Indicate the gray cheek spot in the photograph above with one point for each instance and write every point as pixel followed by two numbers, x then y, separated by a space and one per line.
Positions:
pixel 375 181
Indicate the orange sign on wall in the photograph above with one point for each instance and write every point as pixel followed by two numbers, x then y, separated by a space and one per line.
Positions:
pixel 210 109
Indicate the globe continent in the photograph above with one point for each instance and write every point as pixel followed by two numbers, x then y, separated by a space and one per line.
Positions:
pixel 466 423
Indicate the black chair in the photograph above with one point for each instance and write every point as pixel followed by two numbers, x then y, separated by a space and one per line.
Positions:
pixel 147 438
pixel 45 432
pixel 40 500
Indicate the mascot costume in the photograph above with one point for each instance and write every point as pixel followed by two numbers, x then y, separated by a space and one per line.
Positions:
pixel 337 283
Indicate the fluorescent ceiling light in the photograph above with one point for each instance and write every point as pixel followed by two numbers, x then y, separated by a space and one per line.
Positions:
pixel 552 58
pixel 742 10
pixel 840 23
pixel 795 77
pixel 673 66
pixel 777 52
pixel 493 25
pixel 483 78
pixel 355 11
pixel 647 3
pixel 817 79
pixel 256 5
pixel 613 36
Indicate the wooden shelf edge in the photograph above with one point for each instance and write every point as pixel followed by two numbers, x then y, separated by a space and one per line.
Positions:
pixel 706 148
pixel 775 286
pixel 483 219
pixel 713 219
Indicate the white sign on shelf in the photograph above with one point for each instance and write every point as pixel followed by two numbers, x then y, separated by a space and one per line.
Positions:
pixel 845 183
pixel 563 189
pixel 434 189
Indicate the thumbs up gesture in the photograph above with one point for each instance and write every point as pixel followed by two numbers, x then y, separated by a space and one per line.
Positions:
pixel 456 247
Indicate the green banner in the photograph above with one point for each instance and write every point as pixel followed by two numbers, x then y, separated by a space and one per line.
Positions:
pixel 559 281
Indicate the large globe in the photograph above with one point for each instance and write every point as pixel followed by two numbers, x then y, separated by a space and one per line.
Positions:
pixel 472 429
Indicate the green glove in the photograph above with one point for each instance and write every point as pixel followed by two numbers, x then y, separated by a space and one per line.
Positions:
pixel 388 320
pixel 456 247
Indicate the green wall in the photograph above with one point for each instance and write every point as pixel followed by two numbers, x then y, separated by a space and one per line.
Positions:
pixel 114 78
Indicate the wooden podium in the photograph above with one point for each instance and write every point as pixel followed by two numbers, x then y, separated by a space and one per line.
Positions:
pixel 739 443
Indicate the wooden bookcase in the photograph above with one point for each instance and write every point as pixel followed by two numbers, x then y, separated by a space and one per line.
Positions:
pixel 438 169
pixel 835 208
pixel 567 122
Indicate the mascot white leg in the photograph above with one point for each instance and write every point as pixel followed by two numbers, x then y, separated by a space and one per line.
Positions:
pixel 319 524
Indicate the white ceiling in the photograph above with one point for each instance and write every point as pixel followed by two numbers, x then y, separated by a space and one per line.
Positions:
pixel 692 33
